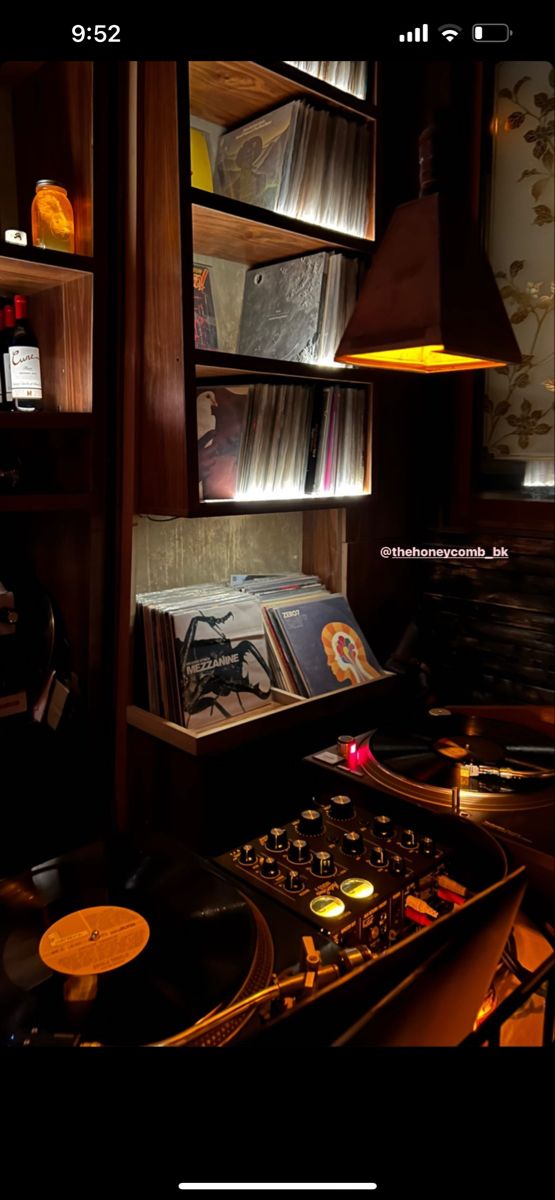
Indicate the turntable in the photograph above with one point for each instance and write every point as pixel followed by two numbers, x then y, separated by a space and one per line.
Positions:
pixel 494 772
pixel 125 944
pixel 130 943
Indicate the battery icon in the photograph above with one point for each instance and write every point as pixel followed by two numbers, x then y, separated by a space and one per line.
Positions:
pixel 491 33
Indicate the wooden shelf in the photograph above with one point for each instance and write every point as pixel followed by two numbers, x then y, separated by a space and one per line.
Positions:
pixel 29 270
pixel 244 233
pixel 285 711
pixel 318 88
pixel 228 93
pixel 29 422
pixel 43 502
pixel 241 508
pixel 61 304
pixel 215 364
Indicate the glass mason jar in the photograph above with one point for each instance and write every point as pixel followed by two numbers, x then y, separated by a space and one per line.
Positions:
pixel 52 217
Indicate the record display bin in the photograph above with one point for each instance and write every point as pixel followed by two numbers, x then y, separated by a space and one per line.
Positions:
pixel 284 711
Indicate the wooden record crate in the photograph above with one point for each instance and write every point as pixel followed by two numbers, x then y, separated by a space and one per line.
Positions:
pixel 285 711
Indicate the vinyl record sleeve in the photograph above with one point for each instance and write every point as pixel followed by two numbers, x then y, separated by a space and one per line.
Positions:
pixel 328 644
pixel 221 660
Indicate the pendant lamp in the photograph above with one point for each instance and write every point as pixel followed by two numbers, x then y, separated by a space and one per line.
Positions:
pixel 429 302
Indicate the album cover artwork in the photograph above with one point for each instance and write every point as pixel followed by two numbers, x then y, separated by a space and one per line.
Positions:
pixel 328 644
pixel 220 422
pixel 206 332
pixel 222 661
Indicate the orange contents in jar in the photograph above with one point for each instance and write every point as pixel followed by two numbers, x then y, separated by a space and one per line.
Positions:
pixel 52 217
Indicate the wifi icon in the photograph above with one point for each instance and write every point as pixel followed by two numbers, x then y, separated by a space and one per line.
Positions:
pixel 450 32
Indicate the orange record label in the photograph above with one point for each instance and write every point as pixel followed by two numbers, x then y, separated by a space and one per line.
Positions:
pixel 92 940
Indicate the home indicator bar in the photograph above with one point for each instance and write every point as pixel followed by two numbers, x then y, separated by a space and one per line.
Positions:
pixel 278 1187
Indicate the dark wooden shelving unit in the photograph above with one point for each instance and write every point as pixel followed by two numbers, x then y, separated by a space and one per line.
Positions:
pixel 55 526
pixel 176 225
pixel 60 291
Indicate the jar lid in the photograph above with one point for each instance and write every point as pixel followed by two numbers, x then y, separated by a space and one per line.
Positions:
pixel 49 183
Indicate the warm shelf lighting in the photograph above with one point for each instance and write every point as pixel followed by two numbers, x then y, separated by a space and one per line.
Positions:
pixel 429 302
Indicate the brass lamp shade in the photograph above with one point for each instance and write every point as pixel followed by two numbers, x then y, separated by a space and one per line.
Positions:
pixel 429 302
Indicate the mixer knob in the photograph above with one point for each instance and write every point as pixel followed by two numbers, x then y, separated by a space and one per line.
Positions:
pixel 299 851
pixel 322 863
pixel 293 882
pixel 247 855
pixel 383 826
pixel 396 864
pixel 277 839
pixel 311 822
pixel 427 845
pixel 341 808
pixel 269 868
pixel 378 856
pixel 408 839
pixel 352 842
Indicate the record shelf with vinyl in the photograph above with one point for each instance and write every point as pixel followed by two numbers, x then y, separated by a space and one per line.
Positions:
pixel 55 475
pixel 180 224
pixel 171 225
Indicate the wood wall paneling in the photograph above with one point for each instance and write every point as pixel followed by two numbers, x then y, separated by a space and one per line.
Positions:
pixel 62 318
pixel 325 548
pixel 78 331
pixel 8 190
pixel 162 450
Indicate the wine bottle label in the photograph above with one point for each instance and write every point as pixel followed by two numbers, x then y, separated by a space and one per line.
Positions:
pixel 8 400
pixel 25 372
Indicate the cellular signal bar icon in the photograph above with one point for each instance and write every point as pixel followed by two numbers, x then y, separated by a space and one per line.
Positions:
pixel 416 35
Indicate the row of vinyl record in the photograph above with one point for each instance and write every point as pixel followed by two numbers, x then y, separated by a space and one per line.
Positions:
pixel 295 310
pixel 215 652
pixel 315 644
pixel 303 162
pixel 349 77
pixel 272 440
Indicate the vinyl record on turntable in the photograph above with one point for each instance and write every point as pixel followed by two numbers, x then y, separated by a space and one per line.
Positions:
pixel 184 943
pixel 498 766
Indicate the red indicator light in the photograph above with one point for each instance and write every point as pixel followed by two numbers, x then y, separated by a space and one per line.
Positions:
pixel 352 756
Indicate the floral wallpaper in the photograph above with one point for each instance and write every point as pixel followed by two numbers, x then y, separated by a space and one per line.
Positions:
pixel 519 401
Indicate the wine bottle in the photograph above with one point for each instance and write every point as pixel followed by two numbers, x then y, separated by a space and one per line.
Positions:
pixel 5 339
pixel 24 357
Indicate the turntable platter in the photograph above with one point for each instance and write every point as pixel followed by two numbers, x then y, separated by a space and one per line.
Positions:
pixel 206 946
pixel 501 764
